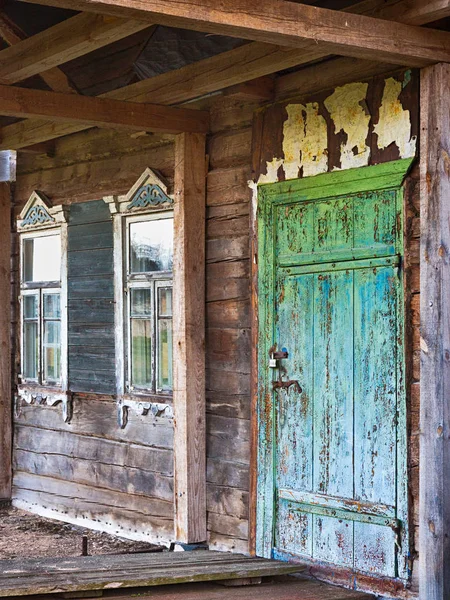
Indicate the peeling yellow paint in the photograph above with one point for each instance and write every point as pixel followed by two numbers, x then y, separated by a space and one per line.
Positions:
pixel 346 106
pixel 394 124
pixel 304 141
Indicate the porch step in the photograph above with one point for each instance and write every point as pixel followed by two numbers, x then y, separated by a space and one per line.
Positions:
pixel 60 575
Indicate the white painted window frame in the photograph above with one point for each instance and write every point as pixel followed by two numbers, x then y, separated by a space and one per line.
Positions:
pixel 29 390
pixel 123 215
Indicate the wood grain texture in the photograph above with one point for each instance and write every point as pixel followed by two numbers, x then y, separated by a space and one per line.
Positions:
pixel 37 576
pixel 56 79
pixel 5 341
pixel 100 112
pixel 286 24
pixel 189 339
pixel 61 43
pixel 434 511
pixel 227 69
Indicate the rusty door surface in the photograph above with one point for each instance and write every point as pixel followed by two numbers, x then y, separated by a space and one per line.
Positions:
pixel 332 428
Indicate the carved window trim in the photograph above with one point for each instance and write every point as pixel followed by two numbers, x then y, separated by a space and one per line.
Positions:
pixel 147 198
pixel 40 218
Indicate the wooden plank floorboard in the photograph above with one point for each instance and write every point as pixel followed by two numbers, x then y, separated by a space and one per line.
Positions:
pixel 46 576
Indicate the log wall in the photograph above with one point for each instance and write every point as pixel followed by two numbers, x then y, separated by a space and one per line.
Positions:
pixel 101 474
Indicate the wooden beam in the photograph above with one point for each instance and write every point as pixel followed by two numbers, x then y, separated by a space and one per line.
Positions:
pixel 434 501
pixel 213 74
pixel 100 112
pixel 54 78
pixel 61 43
pixel 189 339
pixel 5 341
pixel 286 24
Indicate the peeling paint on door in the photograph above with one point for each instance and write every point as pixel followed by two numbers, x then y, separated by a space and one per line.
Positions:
pixel 332 472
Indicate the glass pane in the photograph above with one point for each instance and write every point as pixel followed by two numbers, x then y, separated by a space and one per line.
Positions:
pixel 141 353
pixel 165 302
pixel 52 350
pixel 151 246
pixel 30 307
pixel 141 302
pixel 42 258
pixel 52 306
pixel 30 350
pixel 165 354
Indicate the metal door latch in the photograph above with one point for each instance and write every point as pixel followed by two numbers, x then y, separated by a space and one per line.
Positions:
pixel 285 385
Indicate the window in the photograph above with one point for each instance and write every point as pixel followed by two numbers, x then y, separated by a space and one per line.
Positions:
pixel 148 290
pixel 41 307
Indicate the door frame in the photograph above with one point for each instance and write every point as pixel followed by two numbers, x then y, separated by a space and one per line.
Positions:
pixel 364 179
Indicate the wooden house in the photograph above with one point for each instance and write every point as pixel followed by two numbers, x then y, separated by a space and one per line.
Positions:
pixel 225 278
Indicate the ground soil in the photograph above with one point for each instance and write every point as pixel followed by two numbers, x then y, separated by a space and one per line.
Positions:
pixel 23 535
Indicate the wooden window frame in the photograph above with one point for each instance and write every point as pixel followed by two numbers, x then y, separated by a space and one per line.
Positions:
pixel 39 219
pixel 125 210
pixel 152 281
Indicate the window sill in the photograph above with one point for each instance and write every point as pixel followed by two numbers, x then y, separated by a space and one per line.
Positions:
pixel 35 394
pixel 155 405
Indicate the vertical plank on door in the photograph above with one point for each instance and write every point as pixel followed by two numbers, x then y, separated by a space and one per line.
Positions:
pixel 5 340
pixel 434 517
pixel 189 339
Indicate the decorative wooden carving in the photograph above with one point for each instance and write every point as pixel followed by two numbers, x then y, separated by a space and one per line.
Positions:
pixel 149 195
pixel 46 398
pixel 37 215
pixel 149 192
pixel 141 407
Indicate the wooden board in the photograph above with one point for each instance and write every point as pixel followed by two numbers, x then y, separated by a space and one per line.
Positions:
pixel 189 339
pixel 434 519
pixel 286 24
pixel 5 340
pixel 40 576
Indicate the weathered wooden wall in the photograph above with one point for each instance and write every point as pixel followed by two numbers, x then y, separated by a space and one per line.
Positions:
pixel 343 128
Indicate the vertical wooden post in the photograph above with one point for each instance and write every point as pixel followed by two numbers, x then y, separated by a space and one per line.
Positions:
pixel 5 341
pixel 189 339
pixel 434 519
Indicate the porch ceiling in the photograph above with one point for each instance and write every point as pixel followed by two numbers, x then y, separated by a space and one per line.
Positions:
pixel 80 43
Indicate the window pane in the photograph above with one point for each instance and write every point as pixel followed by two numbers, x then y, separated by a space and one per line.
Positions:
pixel 52 350
pixel 165 302
pixel 42 258
pixel 30 349
pixel 141 353
pixel 165 354
pixel 52 306
pixel 151 246
pixel 30 307
pixel 141 302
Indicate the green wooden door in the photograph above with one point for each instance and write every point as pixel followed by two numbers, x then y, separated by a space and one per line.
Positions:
pixel 332 458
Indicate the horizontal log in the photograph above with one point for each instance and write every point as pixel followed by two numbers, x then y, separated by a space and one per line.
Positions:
pixel 286 24
pixel 100 112
pixel 224 70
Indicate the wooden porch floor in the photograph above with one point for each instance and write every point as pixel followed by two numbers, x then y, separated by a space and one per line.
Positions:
pixel 111 574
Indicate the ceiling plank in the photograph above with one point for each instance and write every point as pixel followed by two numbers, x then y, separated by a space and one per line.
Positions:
pixel 54 78
pixel 100 112
pixel 222 71
pixel 61 43
pixel 286 24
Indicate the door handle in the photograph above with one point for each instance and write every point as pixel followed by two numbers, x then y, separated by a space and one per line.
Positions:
pixel 285 385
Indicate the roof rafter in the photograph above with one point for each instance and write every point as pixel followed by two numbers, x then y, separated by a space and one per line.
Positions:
pixel 22 102
pixel 225 70
pixel 54 78
pixel 65 41
pixel 286 24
